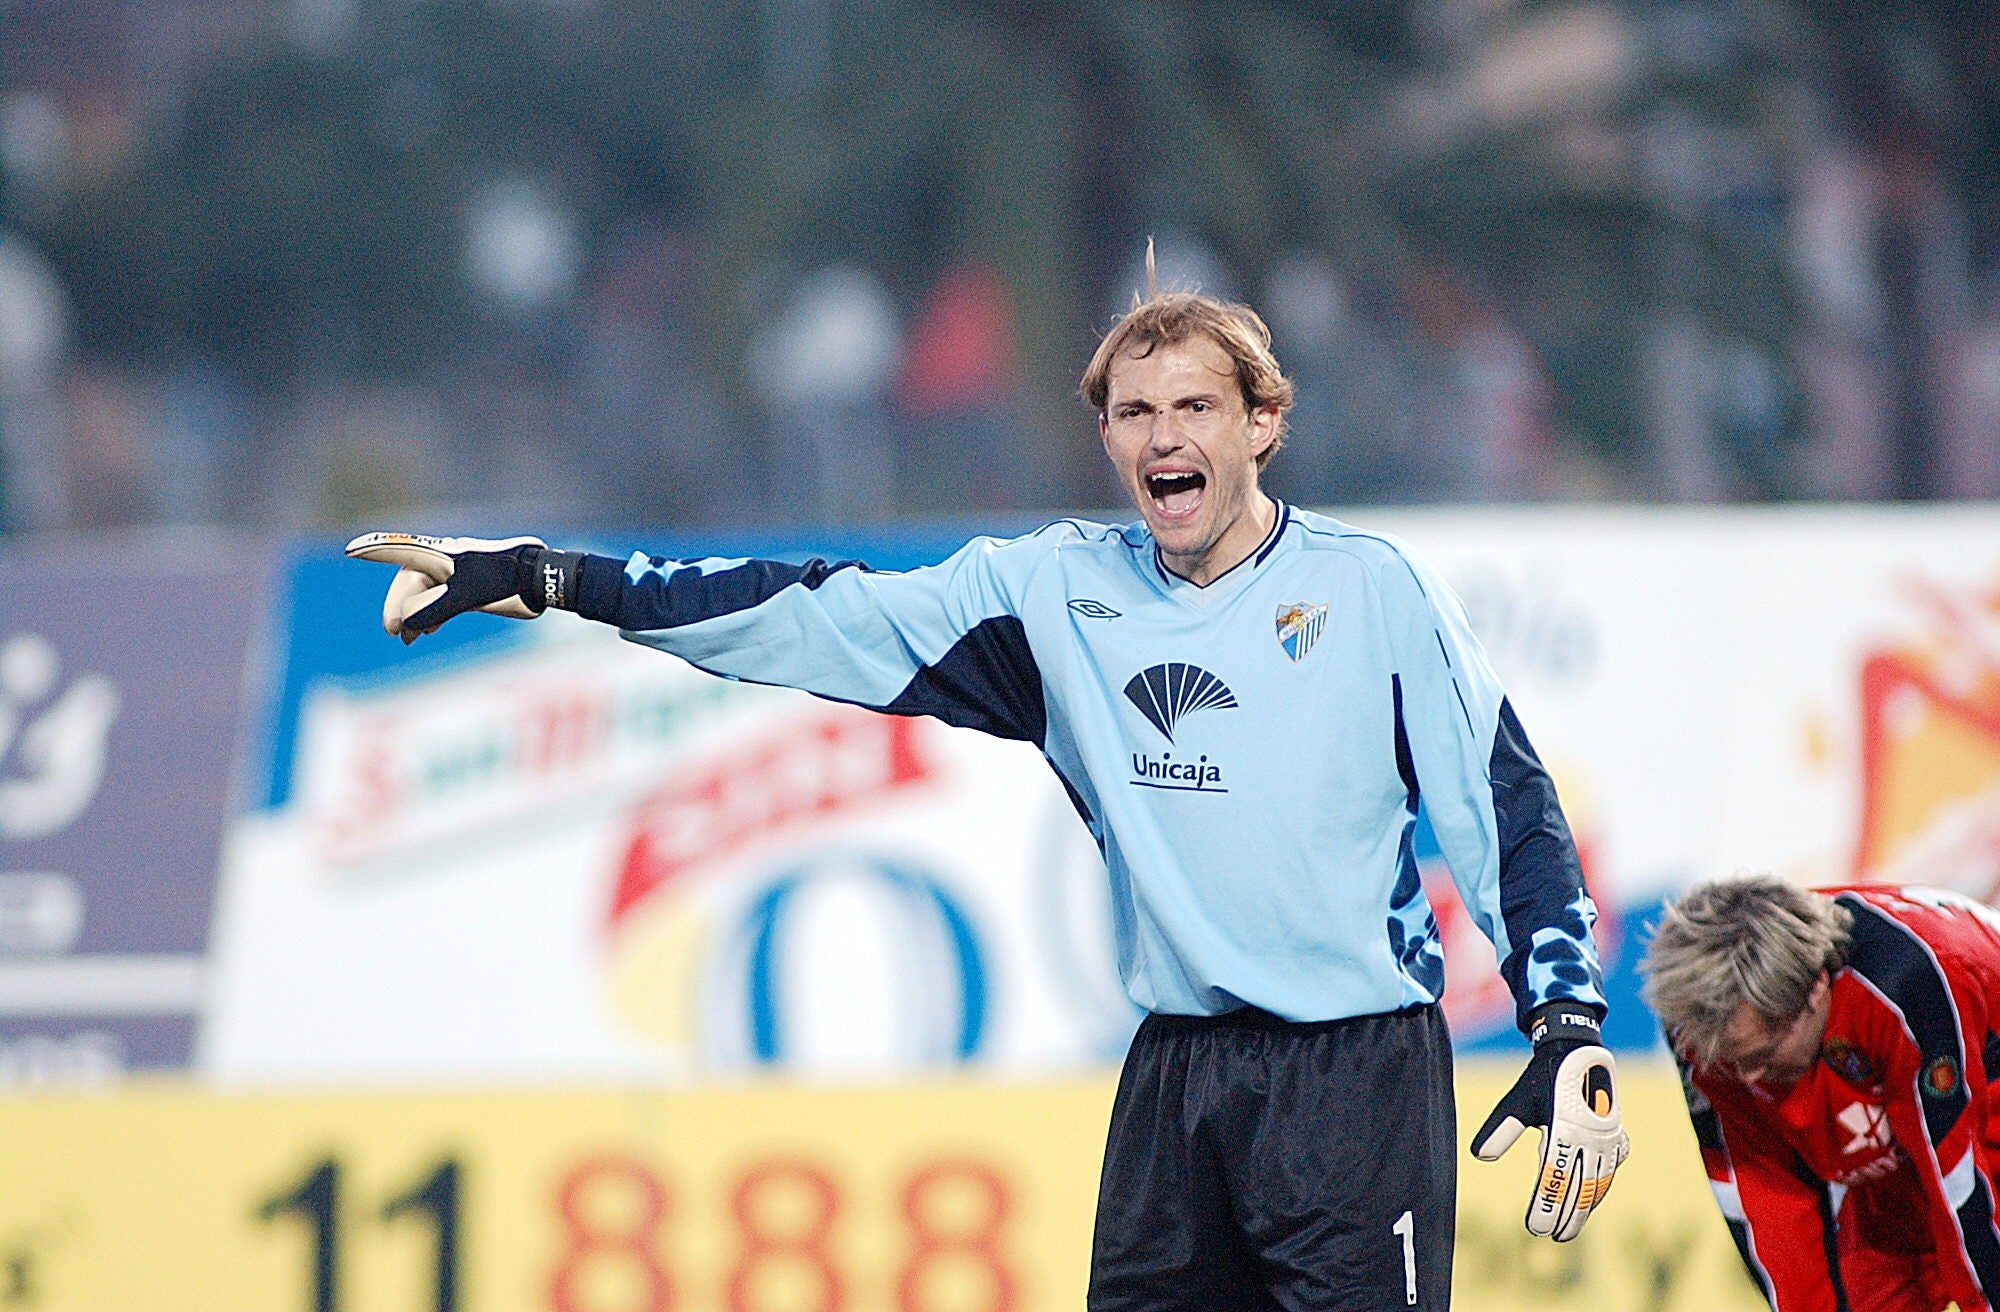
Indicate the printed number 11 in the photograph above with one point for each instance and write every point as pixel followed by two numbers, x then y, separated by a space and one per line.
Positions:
pixel 1406 1226
pixel 317 1199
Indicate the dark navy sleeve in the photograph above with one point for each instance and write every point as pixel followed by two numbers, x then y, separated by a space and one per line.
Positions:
pixel 1541 878
pixel 1490 802
pixel 668 594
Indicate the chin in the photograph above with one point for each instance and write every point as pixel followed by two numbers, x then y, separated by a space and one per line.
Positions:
pixel 1187 532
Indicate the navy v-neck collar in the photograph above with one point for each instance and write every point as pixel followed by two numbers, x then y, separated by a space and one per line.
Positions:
pixel 1255 558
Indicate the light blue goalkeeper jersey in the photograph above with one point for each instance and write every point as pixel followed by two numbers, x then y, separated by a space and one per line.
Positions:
pixel 1249 754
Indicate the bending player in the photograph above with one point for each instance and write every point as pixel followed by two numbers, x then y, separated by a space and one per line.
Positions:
pixel 1837 1049
pixel 1246 703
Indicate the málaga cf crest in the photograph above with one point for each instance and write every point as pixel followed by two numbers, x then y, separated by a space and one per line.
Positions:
pixel 1299 627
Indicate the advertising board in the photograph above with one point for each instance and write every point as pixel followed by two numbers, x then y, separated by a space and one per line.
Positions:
pixel 590 861
pixel 926 1196
pixel 122 695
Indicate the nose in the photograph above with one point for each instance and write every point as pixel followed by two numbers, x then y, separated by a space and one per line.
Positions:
pixel 1164 433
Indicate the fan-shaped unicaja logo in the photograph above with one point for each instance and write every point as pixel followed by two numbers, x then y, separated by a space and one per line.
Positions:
pixel 1167 694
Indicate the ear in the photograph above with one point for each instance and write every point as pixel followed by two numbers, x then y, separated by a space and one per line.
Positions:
pixel 1264 428
pixel 1104 431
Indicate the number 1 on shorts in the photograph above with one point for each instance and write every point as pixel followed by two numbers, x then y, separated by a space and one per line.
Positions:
pixel 1406 1226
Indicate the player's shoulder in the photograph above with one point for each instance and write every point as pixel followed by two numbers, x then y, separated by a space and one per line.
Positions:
pixel 1906 903
pixel 1068 535
pixel 1917 944
pixel 1945 919
pixel 1073 532
pixel 1310 531
pixel 1872 908
pixel 1069 539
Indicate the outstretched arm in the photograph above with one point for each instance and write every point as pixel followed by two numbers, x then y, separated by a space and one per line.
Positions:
pixel 942 640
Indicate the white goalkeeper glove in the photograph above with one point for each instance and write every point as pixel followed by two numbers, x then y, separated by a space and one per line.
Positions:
pixel 443 577
pixel 1568 1092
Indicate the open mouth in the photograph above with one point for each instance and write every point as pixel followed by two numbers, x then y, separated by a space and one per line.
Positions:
pixel 1175 492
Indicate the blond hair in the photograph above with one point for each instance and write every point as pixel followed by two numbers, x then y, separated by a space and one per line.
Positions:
pixel 1173 318
pixel 1751 939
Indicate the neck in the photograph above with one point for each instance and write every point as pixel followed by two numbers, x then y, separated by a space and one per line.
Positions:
pixel 1241 538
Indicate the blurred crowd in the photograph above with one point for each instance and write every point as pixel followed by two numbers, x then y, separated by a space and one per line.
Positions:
pixel 301 264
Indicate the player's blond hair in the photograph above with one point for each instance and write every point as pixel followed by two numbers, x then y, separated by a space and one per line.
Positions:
pixel 1172 318
pixel 1752 938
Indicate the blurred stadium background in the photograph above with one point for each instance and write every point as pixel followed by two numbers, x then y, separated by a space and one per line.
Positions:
pixel 525 970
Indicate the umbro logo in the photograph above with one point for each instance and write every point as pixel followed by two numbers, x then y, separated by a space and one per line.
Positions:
pixel 1167 694
pixel 1093 610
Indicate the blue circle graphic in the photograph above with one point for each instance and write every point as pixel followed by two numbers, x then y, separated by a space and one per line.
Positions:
pixel 765 920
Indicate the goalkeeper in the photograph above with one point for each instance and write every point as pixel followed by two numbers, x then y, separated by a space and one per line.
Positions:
pixel 1838 1051
pixel 1246 702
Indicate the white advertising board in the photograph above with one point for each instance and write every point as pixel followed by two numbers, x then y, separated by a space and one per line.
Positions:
pixel 1814 692
pixel 579 857
pixel 566 857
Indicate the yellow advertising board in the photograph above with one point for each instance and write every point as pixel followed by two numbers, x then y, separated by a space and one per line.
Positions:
pixel 1658 1243
pixel 953 1197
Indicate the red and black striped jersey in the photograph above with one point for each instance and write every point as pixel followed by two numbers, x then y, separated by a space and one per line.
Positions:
pixel 1887 1146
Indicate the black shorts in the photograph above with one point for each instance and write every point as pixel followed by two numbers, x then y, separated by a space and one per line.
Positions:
pixel 1255 1163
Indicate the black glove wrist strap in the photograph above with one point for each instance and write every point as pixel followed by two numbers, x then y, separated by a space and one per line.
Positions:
pixel 554 579
pixel 1564 1022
